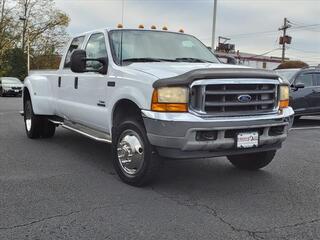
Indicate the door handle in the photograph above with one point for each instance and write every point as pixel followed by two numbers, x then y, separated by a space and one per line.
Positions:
pixel 76 82
pixel 59 82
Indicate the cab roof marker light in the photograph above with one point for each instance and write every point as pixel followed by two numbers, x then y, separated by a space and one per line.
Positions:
pixel 165 28
pixel 181 30
pixel 119 25
pixel 153 27
pixel 141 26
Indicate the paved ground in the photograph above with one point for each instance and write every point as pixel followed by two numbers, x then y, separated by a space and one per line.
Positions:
pixel 66 188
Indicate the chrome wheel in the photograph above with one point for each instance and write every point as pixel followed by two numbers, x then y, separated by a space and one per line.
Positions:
pixel 130 151
pixel 28 118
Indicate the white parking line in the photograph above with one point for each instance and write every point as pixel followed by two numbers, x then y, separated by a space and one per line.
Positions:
pixel 305 128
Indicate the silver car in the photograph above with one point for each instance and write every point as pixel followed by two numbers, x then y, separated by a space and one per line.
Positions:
pixel 10 86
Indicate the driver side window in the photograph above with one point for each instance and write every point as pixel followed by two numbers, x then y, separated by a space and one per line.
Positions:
pixel 306 79
pixel 96 48
pixel 75 44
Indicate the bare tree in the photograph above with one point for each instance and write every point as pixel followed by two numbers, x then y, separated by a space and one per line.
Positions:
pixel 44 24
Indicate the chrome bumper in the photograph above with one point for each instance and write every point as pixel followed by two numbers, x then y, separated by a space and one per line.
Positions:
pixel 174 134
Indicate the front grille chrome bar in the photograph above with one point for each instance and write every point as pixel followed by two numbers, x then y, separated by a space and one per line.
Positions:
pixel 221 97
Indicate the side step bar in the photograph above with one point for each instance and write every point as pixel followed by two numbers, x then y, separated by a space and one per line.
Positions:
pixel 87 132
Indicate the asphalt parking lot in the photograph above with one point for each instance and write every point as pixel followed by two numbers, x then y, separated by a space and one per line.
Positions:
pixel 66 188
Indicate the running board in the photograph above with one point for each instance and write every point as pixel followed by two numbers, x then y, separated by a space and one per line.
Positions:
pixel 85 131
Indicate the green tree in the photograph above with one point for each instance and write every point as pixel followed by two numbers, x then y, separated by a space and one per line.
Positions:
pixel 14 64
pixel 44 26
pixel 7 31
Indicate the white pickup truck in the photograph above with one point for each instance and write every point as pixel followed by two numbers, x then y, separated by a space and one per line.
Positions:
pixel 155 94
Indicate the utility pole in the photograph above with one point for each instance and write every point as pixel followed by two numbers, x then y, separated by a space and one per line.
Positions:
pixel 28 52
pixel 24 18
pixel 285 39
pixel 26 32
pixel 122 13
pixel 214 25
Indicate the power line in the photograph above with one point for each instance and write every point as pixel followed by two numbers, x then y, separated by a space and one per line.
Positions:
pixel 252 33
pixel 265 53
pixel 303 25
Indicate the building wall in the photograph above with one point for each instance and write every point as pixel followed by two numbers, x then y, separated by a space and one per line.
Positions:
pixel 260 64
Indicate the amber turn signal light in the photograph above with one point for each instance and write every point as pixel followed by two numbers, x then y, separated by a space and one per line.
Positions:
pixel 284 97
pixel 283 104
pixel 166 107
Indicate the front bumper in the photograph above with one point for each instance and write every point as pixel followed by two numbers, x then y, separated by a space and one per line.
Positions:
pixel 12 92
pixel 175 134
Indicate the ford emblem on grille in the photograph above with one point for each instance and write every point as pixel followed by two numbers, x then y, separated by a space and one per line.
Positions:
pixel 244 98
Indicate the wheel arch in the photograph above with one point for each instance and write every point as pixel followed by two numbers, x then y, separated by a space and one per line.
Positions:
pixel 123 108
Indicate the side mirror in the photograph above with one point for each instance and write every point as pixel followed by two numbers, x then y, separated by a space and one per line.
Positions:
pixel 297 86
pixel 79 63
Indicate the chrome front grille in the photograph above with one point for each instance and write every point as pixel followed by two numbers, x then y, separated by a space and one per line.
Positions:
pixel 234 99
pixel 16 88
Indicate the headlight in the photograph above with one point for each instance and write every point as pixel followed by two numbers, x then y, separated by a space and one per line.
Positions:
pixel 284 97
pixel 170 99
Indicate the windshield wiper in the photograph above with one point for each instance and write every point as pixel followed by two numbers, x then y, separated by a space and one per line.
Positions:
pixel 142 60
pixel 189 59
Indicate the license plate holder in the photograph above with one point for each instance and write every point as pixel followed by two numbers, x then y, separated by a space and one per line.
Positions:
pixel 247 140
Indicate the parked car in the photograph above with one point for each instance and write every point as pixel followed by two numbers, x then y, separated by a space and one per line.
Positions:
pixel 305 90
pixel 154 94
pixel 10 86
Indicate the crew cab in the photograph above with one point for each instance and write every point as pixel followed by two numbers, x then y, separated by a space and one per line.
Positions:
pixel 157 95
pixel 305 89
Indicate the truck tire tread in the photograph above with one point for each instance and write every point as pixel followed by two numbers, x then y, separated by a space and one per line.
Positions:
pixel 152 161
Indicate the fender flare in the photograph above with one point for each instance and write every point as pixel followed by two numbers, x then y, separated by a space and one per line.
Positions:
pixel 40 93
pixel 136 96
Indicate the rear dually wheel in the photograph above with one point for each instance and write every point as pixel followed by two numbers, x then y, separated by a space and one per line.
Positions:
pixel 37 126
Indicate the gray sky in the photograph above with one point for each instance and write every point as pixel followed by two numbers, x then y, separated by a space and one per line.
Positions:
pixel 252 24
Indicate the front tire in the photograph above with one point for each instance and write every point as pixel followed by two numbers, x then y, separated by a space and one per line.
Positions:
pixel 134 158
pixel 252 161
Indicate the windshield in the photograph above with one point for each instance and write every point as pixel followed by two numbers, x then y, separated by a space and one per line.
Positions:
pixel 10 81
pixel 287 74
pixel 157 46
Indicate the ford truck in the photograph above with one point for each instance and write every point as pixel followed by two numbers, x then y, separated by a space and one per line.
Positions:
pixel 155 95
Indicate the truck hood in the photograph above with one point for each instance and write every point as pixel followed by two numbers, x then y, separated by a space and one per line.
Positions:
pixel 169 69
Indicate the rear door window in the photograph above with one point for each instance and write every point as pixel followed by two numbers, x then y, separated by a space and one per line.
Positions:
pixel 306 79
pixel 316 78
pixel 75 44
